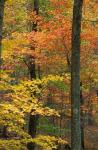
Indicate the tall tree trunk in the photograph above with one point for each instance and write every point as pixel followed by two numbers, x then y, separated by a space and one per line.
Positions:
pixel 82 118
pixel 34 6
pixel 75 77
pixel 2 3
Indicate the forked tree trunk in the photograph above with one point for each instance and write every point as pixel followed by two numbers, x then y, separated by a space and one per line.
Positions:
pixel 75 77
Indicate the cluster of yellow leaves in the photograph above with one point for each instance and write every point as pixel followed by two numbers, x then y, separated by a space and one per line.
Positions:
pixel 43 141
pixel 48 142
pixel 13 144
pixel 21 99
pixel 27 94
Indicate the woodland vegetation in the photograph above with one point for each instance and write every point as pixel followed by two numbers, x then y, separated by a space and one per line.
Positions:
pixel 48 75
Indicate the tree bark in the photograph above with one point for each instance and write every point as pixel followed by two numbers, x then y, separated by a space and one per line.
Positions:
pixel 2 3
pixel 90 106
pixel 75 77
pixel 32 128
pixel 82 118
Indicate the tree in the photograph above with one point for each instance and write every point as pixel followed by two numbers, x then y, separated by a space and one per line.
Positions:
pixel 33 118
pixel 75 76
pixel 2 2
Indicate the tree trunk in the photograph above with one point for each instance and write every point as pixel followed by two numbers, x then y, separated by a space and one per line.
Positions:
pixel 34 6
pixel 75 77
pixel 90 106
pixel 4 132
pixel 2 3
pixel 82 117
